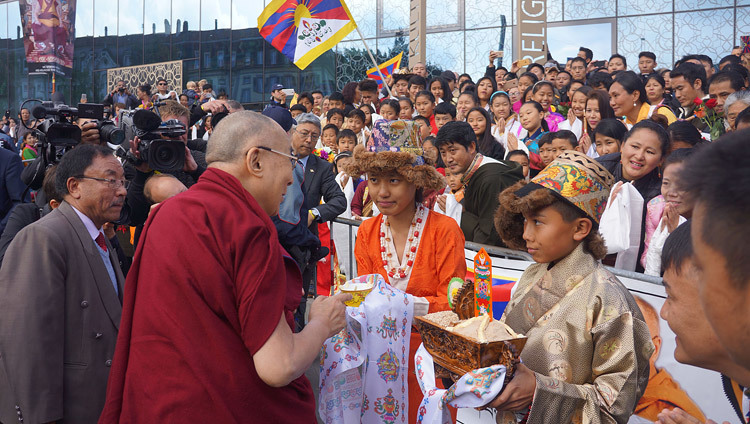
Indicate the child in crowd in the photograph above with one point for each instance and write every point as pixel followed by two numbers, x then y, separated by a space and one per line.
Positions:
pixel 347 184
pixel 454 183
pixel 451 201
pixel 355 121
pixel 431 154
pixel 532 120
pixel 336 101
pixel 444 113
pixel 466 101
pixel 587 339
pixel 543 93
pixel 369 112
pixel 329 137
pixel 666 211
pixel 563 140
pixel 297 110
pixel 335 116
pixel 547 152
pixel 29 150
pixel 425 105
pixel 522 158
pixel 425 127
pixel 346 141
pixel 417 84
pixel 608 136
pixel 407 108
pixel 390 109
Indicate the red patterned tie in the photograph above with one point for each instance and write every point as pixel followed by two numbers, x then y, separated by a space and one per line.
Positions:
pixel 100 241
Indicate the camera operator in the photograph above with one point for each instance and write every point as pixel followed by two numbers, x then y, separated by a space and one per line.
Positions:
pixel 195 164
pixel 121 94
pixel 33 175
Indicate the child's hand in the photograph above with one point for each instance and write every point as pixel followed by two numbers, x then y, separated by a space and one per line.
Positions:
pixel 441 202
pixel 512 142
pixel 584 143
pixel 571 116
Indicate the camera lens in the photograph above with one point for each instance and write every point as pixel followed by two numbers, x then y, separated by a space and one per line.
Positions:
pixel 111 134
pixel 167 155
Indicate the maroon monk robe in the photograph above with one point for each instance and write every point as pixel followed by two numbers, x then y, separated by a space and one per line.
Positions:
pixel 205 292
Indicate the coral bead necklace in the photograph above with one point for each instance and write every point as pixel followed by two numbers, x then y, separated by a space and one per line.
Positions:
pixel 388 251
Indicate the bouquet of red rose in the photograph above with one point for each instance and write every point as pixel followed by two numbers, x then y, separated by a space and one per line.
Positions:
pixel 704 111
pixel 562 108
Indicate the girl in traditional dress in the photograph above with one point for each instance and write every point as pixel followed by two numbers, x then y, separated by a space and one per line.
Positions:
pixel 415 250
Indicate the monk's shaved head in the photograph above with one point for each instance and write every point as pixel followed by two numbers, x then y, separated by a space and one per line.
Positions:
pixel 238 132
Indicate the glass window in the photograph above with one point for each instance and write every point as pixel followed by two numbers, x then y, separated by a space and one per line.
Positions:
pixel 245 14
pixel 478 46
pixel 215 15
pixel 157 32
pixel 631 39
pixel 364 13
pixel 130 47
pixel 565 40
pixel 487 13
pixel 638 7
pixel 441 58
pixel 690 33
pixel 15 32
pixel 186 37
pixel 587 9
pixel 4 75
pixel 395 15
pixel 442 13
pixel 84 18
pixel 105 33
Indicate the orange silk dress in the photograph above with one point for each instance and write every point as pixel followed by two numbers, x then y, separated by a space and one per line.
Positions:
pixel 440 257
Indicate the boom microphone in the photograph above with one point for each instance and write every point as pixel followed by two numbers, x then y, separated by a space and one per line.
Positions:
pixel 145 120
pixel 39 112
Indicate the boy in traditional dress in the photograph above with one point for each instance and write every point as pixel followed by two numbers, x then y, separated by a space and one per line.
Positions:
pixel 588 348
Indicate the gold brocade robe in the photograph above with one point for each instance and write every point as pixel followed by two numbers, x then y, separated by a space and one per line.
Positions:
pixel 587 341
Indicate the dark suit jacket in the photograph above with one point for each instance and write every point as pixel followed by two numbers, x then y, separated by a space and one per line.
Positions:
pixel 11 186
pixel 320 182
pixel 60 318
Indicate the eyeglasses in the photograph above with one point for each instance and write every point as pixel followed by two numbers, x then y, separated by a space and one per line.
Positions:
pixel 292 159
pixel 113 184
pixel 306 134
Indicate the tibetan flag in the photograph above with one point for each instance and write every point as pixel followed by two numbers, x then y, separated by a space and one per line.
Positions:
pixel 745 43
pixel 386 68
pixel 305 29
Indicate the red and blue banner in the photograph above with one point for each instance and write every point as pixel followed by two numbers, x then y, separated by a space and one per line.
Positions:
pixel 386 68
pixel 304 29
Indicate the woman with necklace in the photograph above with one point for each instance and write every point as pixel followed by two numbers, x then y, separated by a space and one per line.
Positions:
pixel 414 249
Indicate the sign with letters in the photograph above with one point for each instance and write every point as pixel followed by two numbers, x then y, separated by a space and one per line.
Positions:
pixel 531 30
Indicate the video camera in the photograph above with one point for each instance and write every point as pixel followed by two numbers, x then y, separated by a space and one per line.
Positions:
pixel 155 146
pixel 58 123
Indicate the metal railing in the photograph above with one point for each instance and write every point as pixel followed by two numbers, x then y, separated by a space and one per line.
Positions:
pixel 493 251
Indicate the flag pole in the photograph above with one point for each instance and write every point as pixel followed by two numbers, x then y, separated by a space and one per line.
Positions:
pixel 374 62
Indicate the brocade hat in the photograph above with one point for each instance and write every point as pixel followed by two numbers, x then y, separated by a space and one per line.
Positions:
pixel 577 179
pixel 395 146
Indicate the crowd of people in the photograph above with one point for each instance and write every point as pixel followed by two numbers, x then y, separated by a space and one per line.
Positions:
pixel 198 293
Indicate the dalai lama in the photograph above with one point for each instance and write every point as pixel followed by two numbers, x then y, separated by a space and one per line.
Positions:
pixel 208 309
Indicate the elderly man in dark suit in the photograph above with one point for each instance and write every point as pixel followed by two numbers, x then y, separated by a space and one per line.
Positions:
pixel 319 183
pixel 61 298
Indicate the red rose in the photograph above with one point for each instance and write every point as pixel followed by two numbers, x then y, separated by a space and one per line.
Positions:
pixel 697 101
pixel 711 103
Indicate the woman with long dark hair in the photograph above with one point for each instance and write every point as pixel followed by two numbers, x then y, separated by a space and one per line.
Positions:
pixel 441 90
pixel 481 123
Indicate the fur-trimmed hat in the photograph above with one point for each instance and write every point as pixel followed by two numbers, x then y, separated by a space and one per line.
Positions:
pixel 395 146
pixel 572 178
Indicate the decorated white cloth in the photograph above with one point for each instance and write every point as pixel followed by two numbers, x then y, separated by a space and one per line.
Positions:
pixel 620 226
pixel 475 389
pixel 363 369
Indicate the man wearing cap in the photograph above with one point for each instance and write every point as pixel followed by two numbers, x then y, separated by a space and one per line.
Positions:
pixel 278 97
pixel 588 346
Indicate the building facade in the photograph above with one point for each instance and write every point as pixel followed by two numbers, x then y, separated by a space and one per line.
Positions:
pixel 218 40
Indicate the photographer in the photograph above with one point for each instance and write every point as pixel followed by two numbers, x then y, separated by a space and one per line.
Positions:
pixel 120 94
pixel 195 164
pixel 33 175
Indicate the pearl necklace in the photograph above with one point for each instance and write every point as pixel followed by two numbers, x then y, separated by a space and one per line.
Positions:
pixel 390 261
